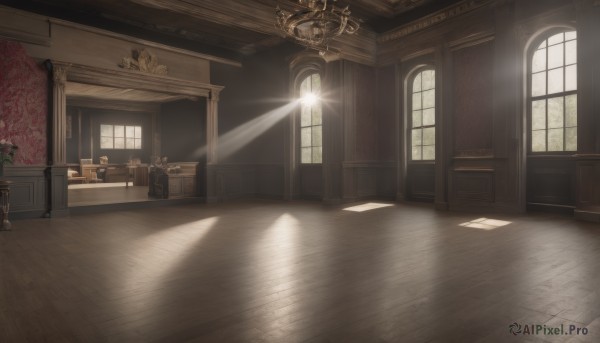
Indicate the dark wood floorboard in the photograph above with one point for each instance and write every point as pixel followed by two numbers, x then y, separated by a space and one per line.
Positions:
pixel 267 271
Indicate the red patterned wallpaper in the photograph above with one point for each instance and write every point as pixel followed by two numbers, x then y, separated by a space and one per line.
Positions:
pixel 23 103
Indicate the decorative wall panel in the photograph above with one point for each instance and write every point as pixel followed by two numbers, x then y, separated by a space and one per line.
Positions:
pixel 551 181
pixel 366 120
pixel 27 191
pixel 472 186
pixel 473 99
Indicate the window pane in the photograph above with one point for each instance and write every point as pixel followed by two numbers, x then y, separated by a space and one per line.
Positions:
pixel 129 131
pixel 539 61
pixel 129 143
pixel 555 81
pixel 429 136
pixel 571 78
pixel 416 101
pixel 305 137
pixel 571 110
pixel 555 140
pixel 106 143
pixel 306 155
pixel 538 114
pixel 305 87
pixel 316 136
pixel 555 112
pixel 305 116
pixel 556 56
pixel 570 35
pixel 542 45
pixel 317 155
pixel 417 118
pixel 119 143
pixel 538 84
pixel 571 52
pixel 429 116
pixel 428 79
pixel 119 131
pixel 538 140
pixel 106 130
pixel 316 83
pixel 429 98
pixel 138 143
pixel 138 132
pixel 416 153
pixel 416 138
pixel 557 38
pixel 417 83
pixel 571 139
pixel 429 152
pixel 317 115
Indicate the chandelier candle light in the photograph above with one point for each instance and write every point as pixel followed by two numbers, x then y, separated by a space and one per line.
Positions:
pixel 317 23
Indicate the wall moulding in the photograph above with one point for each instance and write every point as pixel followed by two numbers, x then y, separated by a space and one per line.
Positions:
pixel 433 19
pixel 118 105
pixel 471 40
pixel 24 27
pixel 143 42
pixel 135 80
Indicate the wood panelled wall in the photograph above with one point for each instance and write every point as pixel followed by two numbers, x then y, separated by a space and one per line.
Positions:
pixel 480 58
pixel 473 95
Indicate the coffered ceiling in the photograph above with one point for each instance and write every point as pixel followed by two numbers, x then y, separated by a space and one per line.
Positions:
pixel 226 28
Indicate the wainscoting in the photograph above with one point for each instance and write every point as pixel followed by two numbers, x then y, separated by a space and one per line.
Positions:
pixel 28 191
pixel 364 180
pixel 246 180
pixel 551 182
pixel 588 187
pixel 472 183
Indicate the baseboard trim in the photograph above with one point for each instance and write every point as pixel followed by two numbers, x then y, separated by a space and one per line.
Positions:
pixel 34 214
pixel 590 216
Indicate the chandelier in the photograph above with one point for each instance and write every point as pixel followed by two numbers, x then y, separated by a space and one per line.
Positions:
pixel 317 23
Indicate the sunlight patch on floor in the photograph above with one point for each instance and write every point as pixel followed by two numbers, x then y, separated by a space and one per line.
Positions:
pixel 485 223
pixel 367 207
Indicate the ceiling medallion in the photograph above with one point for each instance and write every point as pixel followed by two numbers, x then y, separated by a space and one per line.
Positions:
pixel 317 23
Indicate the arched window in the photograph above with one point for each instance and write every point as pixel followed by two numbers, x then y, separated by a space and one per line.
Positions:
pixel 311 139
pixel 422 119
pixel 553 94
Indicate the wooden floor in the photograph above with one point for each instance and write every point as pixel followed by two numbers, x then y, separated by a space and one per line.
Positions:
pixel 266 271
pixel 106 193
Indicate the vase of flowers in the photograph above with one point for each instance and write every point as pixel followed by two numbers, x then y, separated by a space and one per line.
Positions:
pixel 7 154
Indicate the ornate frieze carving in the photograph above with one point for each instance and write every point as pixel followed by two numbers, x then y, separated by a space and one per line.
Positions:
pixel 143 60
pixel 430 20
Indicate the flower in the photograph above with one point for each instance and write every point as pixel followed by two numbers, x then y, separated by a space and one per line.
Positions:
pixel 7 151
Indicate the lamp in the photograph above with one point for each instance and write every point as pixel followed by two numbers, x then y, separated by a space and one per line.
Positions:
pixel 316 23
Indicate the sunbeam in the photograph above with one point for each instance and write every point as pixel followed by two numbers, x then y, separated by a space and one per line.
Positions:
pixel 245 133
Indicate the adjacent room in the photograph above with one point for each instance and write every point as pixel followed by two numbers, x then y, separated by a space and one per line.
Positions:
pixel 299 171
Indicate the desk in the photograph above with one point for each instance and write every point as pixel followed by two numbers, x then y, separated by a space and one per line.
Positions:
pixel 77 179
pixel 89 171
